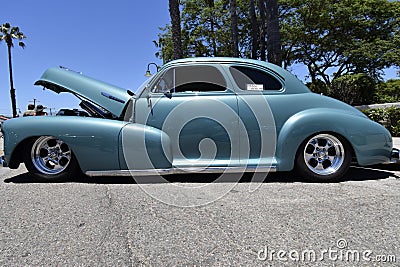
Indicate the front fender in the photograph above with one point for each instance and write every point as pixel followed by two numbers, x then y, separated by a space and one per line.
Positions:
pixel 93 141
pixel 370 141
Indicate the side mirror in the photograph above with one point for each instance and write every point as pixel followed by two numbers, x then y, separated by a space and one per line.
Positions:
pixel 132 94
pixel 168 94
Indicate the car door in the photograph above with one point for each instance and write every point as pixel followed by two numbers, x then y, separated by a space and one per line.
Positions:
pixel 191 103
pixel 254 87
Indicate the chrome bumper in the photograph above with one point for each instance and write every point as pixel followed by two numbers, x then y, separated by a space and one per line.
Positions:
pixel 395 158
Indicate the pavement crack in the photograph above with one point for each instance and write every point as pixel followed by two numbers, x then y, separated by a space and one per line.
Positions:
pixel 108 198
pixel 106 202
pixel 116 219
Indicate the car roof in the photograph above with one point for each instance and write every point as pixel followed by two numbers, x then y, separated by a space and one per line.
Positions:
pixel 224 60
pixel 293 84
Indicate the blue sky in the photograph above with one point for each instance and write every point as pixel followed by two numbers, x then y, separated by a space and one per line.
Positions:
pixel 107 40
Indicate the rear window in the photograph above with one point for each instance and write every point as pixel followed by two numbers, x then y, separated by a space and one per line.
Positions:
pixel 253 79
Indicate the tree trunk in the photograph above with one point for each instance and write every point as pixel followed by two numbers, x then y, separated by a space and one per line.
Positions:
pixel 274 39
pixel 261 7
pixel 234 28
pixel 313 75
pixel 12 90
pixel 212 26
pixel 254 31
pixel 175 15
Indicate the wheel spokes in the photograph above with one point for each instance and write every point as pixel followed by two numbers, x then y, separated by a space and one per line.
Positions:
pixel 50 155
pixel 323 154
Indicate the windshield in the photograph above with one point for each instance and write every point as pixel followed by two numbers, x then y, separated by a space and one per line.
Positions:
pixel 140 89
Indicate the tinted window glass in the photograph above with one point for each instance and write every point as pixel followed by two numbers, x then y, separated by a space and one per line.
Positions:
pixel 253 79
pixel 191 79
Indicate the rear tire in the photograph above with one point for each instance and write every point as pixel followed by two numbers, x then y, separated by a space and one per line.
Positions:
pixel 323 158
pixel 50 159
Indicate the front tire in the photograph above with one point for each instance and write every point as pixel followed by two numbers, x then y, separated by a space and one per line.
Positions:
pixel 50 159
pixel 323 158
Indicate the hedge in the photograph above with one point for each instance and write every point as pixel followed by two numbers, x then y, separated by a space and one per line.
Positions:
pixel 388 117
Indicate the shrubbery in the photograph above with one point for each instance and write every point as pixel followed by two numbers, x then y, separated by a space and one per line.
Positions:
pixel 388 117
pixel 359 89
pixel 354 89
pixel 388 92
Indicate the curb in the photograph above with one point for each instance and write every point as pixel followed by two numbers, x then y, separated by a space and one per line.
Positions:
pixel 373 106
pixel 396 142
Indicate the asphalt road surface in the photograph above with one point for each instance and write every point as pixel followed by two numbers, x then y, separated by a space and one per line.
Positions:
pixel 285 222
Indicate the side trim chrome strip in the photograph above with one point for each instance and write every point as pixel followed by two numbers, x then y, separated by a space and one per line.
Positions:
pixel 150 172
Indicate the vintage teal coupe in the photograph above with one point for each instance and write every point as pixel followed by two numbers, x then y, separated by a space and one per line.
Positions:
pixel 211 115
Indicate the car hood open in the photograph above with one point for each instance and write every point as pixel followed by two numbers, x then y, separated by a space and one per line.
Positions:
pixel 107 96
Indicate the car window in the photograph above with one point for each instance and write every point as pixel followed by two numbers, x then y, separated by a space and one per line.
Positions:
pixel 191 79
pixel 253 79
pixel 165 83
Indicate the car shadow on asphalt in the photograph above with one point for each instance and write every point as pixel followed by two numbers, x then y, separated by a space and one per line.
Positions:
pixel 376 172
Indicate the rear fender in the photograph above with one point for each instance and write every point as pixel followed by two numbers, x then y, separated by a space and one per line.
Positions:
pixel 370 141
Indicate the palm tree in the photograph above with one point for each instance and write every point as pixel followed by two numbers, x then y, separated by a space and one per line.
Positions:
pixel 175 15
pixel 9 33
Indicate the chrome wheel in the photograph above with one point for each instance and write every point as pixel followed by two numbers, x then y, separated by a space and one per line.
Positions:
pixel 324 154
pixel 50 155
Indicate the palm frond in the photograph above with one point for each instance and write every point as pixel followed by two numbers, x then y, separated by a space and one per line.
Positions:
pixel 14 30
pixel 10 33
pixel 6 25
pixel 20 36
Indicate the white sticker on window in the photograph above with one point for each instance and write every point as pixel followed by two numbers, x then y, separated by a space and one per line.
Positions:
pixel 255 87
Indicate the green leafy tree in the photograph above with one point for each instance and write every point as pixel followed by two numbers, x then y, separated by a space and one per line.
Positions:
pixel 388 92
pixel 8 34
pixel 354 89
pixel 337 37
pixel 206 30
pixel 332 38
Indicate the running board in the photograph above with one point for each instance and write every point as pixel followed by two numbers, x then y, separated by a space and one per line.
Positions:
pixel 151 172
